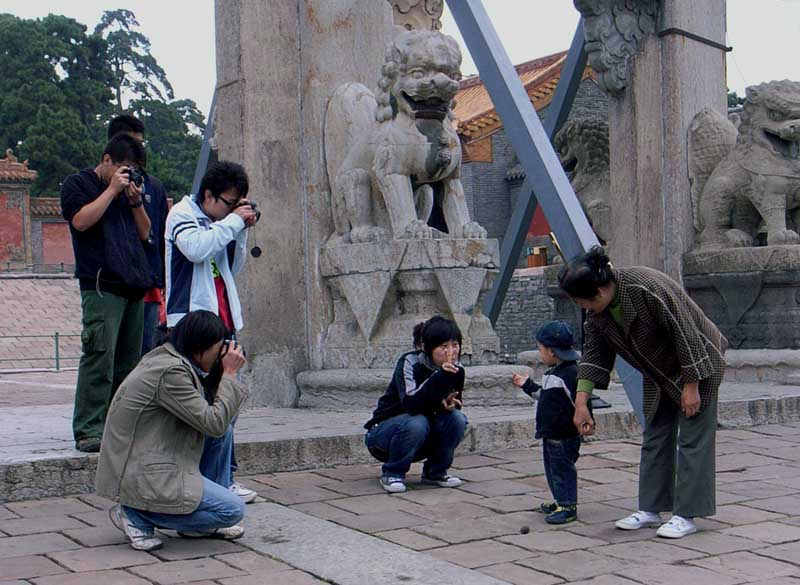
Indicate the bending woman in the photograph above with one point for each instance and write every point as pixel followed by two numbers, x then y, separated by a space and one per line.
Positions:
pixel 645 317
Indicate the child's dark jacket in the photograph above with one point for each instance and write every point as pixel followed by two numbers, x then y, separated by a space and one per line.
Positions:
pixel 556 406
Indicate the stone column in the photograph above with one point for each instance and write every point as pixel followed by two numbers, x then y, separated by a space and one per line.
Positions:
pixel 657 85
pixel 278 63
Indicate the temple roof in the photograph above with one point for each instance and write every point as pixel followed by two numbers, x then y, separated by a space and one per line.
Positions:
pixel 475 114
pixel 46 206
pixel 13 171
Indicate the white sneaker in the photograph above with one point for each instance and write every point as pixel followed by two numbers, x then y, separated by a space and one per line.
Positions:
pixel 246 494
pixel 140 540
pixel 227 533
pixel 445 481
pixel 639 520
pixel 393 485
pixel 677 527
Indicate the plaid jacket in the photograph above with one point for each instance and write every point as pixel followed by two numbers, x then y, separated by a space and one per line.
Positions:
pixel 665 336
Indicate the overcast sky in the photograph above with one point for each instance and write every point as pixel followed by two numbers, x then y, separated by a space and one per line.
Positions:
pixel 762 32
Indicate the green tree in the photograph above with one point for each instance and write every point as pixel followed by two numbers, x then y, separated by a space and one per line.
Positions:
pixel 174 136
pixel 734 100
pixel 134 69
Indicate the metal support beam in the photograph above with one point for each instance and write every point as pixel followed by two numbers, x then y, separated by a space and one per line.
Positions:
pixel 205 149
pixel 531 143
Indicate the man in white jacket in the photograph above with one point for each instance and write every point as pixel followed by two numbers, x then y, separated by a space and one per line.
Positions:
pixel 205 244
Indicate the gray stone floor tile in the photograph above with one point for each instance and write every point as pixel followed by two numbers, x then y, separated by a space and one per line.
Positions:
pixel 586 462
pixel 469 461
pixel 179 549
pixel 786 505
pixel 321 510
pixel 497 487
pixel 469 529
pixel 436 513
pixel 770 532
pixel 744 460
pixel 760 489
pixel 648 551
pixel 667 574
pixel 552 541
pixel 96 518
pixel 382 521
pixel 34 544
pixel 49 507
pixel 514 455
pixel 287 578
pixel 375 504
pixel 411 539
pixel 516 503
pixel 746 566
pixel 578 564
pixel 96 577
pixel 595 512
pixel 715 543
pixel 439 496
pixel 292 479
pixel 608 475
pixel 519 575
pixel 102 558
pixel 524 467
pixel 480 553
pixel 606 580
pixel 297 495
pixel 609 533
pixel 351 472
pixel 475 474
pixel 97 536
pixel 187 571
pixel 254 563
pixel 736 515
pixel 6 514
pixel 356 487
pixel 27 567
pixel 789 552
pixel 38 525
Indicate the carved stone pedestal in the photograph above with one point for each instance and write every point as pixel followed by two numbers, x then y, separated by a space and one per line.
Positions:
pixel 382 289
pixel 752 294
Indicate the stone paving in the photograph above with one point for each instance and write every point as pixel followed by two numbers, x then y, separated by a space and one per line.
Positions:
pixel 754 537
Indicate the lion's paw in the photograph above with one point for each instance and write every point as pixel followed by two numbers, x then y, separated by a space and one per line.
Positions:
pixel 782 237
pixel 474 230
pixel 738 238
pixel 364 234
pixel 418 230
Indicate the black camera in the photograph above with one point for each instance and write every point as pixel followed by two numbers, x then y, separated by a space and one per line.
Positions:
pixel 252 204
pixel 135 176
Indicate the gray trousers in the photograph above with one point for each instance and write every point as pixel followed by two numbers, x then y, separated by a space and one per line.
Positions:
pixel 677 468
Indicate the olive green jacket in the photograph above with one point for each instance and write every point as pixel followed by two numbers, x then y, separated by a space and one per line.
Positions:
pixel 155 431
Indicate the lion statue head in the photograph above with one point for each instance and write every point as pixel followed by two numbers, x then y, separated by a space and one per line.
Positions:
pixel 419 76
pixel 771 117
pixel 582 146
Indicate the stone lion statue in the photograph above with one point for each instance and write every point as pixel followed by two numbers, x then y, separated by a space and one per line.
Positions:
pixel 582 146
pixel 389 154
pixel 744 179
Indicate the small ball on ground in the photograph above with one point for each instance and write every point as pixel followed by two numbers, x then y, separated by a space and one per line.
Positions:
pixel 524 530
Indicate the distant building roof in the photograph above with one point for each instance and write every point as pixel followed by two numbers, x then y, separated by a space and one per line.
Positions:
pixel 13 171
pixel 474 111
pixel 45 207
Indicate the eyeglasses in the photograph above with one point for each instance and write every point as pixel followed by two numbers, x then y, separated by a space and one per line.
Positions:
pixel 231 205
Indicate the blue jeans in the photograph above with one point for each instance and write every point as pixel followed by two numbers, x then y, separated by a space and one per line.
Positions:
pixel 219 507
pixel 405 438
pixel 151 334
pixel 560 456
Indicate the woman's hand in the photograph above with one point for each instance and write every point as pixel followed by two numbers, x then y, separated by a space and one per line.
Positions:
pixel 233 360
pixel 450 367
pixel 451 402
pixel 690 399
pixel 583 420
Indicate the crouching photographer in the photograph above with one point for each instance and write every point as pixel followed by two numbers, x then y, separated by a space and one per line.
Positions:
pixel 152 459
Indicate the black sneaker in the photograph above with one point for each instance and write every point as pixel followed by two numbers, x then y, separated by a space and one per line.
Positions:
pixel 562 515
pixel 548 508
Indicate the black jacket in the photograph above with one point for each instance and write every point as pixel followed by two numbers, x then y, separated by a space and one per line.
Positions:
pixel 417 387
pixel 556 407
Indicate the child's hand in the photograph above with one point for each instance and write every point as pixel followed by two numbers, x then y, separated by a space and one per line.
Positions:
pixel 519 379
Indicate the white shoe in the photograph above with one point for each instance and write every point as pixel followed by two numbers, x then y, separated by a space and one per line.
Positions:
pixel 246 494
pixel 227 533
pixel 140 540
pixel 639 520
pixel 393 485
pixel 677 527
pixel 447 481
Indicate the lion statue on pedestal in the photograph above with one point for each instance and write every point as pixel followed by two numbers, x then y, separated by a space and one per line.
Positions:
pixel 391 157
pixel 744 179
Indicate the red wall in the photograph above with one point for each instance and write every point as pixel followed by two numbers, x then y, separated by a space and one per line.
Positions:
pixel 12 246
pixel 56 243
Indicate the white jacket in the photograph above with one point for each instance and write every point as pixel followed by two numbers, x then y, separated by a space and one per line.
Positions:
pixel 192 240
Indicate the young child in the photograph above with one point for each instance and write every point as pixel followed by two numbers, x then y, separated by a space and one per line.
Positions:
pixel 561 441
pixel 419 416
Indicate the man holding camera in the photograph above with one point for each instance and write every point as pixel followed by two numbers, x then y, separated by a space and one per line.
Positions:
pixel 206 239
pixel 108 223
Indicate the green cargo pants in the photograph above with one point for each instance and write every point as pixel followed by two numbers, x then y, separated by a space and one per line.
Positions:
pixel 677 471
pixel 112 344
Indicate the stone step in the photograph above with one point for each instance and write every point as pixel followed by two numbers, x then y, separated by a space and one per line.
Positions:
pixel 37 458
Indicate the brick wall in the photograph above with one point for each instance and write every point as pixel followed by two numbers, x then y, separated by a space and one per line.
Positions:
pixel 56 243
pixel 526 307
pixel 13 219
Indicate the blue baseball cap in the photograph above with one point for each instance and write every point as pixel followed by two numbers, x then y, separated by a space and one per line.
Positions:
pixel 558 336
